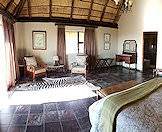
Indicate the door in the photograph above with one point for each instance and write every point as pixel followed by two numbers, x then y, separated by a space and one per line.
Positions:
pixel 150 50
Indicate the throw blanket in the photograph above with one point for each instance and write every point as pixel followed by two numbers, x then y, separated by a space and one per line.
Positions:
pixel 114 102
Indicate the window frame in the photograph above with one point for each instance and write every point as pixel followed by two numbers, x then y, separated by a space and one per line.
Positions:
pixel 79 42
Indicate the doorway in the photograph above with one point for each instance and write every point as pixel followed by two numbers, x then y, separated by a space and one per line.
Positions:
pixel 150 51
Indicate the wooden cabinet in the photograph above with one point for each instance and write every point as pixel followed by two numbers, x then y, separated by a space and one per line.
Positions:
pixel 22 70
pixel 127 58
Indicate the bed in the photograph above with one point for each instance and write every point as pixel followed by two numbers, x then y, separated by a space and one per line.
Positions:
pixel 142 114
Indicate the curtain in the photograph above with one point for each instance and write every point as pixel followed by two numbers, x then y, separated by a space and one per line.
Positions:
pixel 61 47
pixel 10 53
pixel 89 41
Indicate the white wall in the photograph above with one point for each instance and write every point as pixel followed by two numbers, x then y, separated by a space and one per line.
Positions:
pixel 23 36
pixel 100 31
pixel 146 16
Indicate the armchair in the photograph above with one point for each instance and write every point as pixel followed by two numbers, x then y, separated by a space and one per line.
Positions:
pixel 34 68
pixel 80 65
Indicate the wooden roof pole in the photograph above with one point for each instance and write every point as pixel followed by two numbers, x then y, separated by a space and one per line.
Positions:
pixel 29 7
pixel 103 12
pixel 7 14
pixel 72 9
pixel 19 8
pixel 9 4
pixel 50 8
pixel 90 10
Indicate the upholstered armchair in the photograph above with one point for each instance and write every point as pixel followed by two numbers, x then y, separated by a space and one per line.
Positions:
pixel 34 68
pixel 79 66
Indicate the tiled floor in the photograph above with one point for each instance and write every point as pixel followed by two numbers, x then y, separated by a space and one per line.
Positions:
pixel 116 75
pixel 69 116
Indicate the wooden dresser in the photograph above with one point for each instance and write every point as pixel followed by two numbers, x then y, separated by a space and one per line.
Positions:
pixel 129 55
pixel 127 58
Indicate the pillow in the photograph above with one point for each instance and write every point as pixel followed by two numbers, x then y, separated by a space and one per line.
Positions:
pixel 74 64
pixel 30 61
pixel 81 60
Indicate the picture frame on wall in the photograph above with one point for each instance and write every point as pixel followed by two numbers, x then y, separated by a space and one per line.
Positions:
pixel 107 37
pixel 107 46
pixel 39 39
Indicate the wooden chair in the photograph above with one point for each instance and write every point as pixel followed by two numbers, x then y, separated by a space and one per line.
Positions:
pixel 34 67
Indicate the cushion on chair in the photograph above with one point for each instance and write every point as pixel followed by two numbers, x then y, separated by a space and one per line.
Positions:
pixel 78 70
pixel 40 70
pixel 81 60
pixel 30 61
pixel 81 65
pixel 74 64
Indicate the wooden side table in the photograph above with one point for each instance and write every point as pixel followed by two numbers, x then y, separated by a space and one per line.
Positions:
pixel 22 70
pixel 52 69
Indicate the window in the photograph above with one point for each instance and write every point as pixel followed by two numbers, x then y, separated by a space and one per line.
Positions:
pixel 80 43
pixel 74 42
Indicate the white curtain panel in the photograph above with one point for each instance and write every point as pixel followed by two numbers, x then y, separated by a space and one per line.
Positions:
pixel 71 46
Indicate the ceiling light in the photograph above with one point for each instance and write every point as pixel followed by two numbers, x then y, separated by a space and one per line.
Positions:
pixel 126 5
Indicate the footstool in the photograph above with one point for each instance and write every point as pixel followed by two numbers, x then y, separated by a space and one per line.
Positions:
pixel 115 88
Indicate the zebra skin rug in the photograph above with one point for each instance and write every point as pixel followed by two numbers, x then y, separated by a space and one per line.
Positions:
pixel 48 83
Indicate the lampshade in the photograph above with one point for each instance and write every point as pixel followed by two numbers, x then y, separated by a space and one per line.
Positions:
pixel 55 58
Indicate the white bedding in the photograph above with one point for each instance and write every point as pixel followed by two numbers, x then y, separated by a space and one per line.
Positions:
pixel 94 114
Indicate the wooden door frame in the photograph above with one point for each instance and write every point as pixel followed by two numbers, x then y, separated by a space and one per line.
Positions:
pixel 149 32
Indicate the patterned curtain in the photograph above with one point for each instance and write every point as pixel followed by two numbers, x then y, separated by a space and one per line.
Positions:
pixel 89 41
pixel 9 41
pixel 61 45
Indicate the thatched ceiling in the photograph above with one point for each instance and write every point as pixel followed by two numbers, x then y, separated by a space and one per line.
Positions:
pixel 104 12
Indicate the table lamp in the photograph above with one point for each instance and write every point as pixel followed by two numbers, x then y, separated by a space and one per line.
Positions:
pixel 56 60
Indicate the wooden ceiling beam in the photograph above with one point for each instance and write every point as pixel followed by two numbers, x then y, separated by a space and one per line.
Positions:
pixel 72 9
pixel 7 14
pixel 29 7
pixel 50 8
pixel 16 8
pixel 9 4
pixel 19 7
pixel 104 9
pixel 118 11
pixel 90 10
pixel 81 22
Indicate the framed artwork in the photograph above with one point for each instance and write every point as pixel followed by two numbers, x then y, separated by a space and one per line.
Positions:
pixel 107 45
pixel 39 40
pixel 107 37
